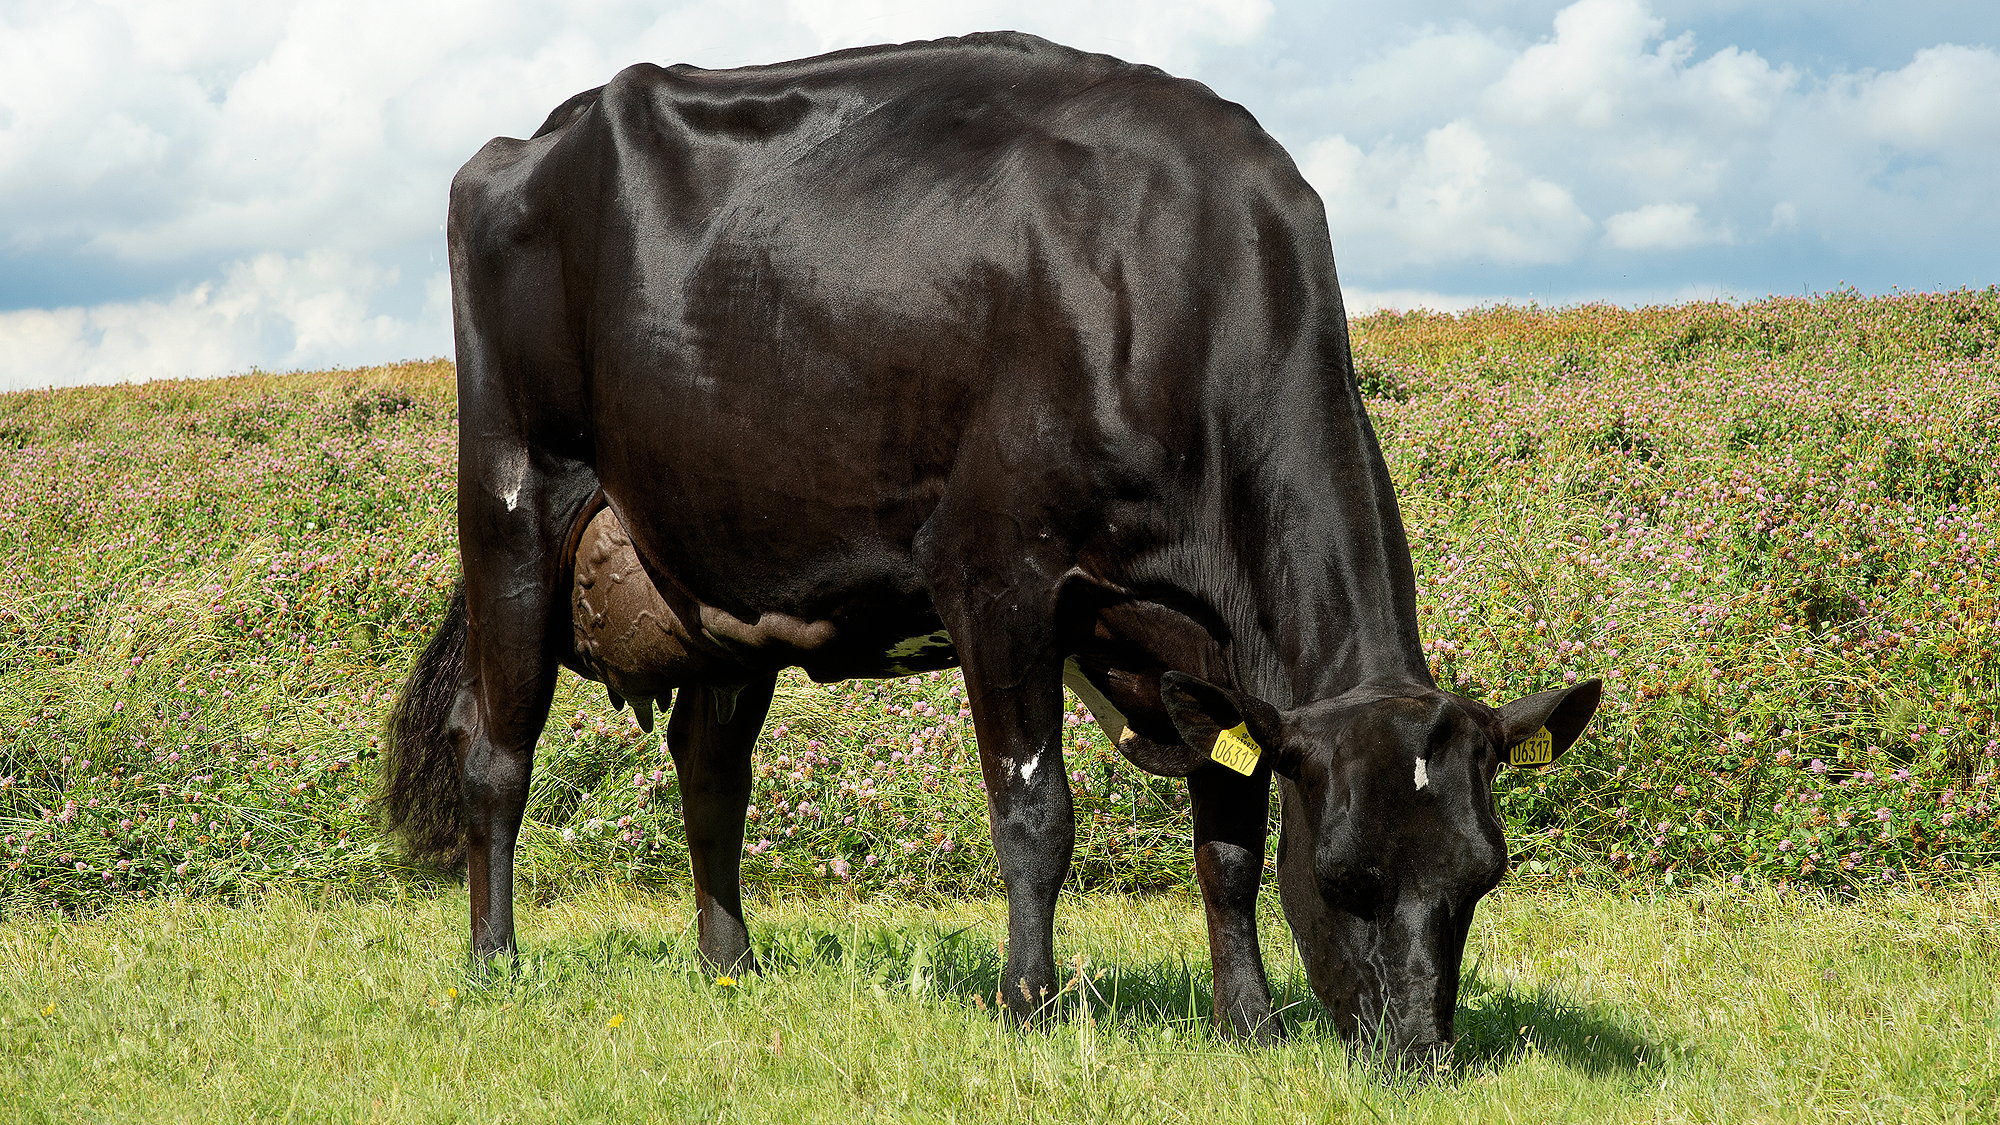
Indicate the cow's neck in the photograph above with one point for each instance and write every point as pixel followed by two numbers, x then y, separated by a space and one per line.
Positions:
pixel 1326 600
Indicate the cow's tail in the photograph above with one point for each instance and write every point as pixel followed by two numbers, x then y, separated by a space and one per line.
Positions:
pixel 421 778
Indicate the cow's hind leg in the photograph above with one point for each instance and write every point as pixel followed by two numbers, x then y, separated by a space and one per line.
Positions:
pixel 526 445
pixel 712 758
pixel 511 538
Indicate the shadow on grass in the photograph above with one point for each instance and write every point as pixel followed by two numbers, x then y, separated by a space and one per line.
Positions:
pixel 964 967
pixel 1498 1023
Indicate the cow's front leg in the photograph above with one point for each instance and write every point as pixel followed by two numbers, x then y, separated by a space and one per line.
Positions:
pixel 1017 716
pixel 1230 815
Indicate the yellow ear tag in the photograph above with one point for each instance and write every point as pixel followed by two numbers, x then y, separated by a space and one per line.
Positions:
pixel 1539 749
pixel 1237 750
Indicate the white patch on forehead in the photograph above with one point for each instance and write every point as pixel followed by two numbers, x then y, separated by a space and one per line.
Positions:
pixel 1028 768
pixel 1423 775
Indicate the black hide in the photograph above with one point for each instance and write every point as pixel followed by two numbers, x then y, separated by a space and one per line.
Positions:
pixel 981 351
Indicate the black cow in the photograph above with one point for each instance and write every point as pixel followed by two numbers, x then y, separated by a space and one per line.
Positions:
pixel 981 352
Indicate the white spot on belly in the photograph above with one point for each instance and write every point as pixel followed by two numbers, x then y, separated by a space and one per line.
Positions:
pixel 1423 775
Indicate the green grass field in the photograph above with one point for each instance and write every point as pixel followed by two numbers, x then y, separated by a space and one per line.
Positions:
pixel 1580 1006
pixel 1773 529
pixel 1761 888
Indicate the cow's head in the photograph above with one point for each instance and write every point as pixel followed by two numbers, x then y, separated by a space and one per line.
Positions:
pixel 1390 832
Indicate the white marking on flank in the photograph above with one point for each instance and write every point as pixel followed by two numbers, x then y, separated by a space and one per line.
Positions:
pixel 1423 775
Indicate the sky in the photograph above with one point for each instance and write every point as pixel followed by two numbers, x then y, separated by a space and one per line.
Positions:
pixel 206 187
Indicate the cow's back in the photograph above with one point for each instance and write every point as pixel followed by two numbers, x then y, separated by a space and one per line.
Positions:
pixel 799 301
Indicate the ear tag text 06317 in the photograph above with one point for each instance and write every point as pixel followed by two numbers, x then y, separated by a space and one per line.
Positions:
pixel 1538 749
pixel 1237 750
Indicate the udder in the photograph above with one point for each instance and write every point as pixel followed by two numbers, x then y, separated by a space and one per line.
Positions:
pixel 629 639
pixel 625 635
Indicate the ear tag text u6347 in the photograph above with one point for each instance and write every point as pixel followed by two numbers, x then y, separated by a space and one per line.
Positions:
pixel 1235 749
pixel 1538 749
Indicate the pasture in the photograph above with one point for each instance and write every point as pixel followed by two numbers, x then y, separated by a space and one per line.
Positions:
pixel 1769 527
pixel 1581 1005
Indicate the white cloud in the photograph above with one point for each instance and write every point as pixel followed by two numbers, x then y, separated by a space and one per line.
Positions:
pixel 228 128
pixel 308 139
pixel 1433 77
pixel 1625 110
pixel 1897 162
pixel 1587 74
pixel 309 142
pixel 1662 226
pixel 1166 34
pixel 1948 96
pixel 1591 125
pixel 1617 121
pixel 270 311
pixel 1610 64
pixel 1450 198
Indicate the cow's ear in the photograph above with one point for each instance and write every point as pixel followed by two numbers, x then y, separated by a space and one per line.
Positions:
pixel 1230 728
pixel 1537 729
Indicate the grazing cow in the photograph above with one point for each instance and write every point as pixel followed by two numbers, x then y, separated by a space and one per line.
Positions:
pixel 981 352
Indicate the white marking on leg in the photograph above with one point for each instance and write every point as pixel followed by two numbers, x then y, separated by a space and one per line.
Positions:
pixel 1423 775
pixel 512 473
pixel 1028 768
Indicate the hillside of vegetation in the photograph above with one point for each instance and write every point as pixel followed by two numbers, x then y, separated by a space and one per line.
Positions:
pixel 1769 527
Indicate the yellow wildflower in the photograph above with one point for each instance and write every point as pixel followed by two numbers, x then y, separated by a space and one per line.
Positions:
pixel 614 1021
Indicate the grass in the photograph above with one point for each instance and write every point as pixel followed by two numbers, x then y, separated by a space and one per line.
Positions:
pixel 1770 527
pixel 1580 1005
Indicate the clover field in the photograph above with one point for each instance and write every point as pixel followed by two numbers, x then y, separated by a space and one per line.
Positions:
pixel 1770 527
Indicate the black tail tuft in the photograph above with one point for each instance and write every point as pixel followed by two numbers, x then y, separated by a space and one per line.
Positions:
pixel 421 780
